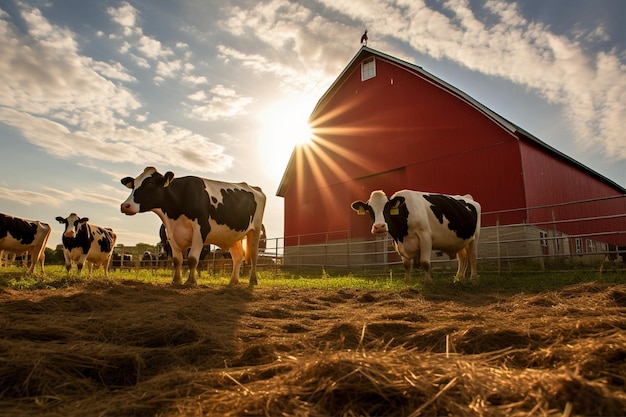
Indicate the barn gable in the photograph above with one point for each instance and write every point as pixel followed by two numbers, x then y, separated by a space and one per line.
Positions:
pixel 387 124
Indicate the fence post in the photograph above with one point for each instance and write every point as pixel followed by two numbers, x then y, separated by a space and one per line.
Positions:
pixel 498 244
pixel 349 236
pixel 299 259
pixel 555 244
pixel 326 251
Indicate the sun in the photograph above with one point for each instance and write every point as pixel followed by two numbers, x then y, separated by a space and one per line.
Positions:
pixel 283 126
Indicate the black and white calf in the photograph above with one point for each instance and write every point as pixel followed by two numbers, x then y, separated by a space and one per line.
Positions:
pixel 86 242
pixel 19 235
pixel 196 212
pixel 421 222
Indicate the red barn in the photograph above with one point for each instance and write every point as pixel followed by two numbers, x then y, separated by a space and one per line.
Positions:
pixel 388 124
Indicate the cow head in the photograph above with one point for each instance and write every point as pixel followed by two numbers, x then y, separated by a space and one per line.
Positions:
pixel 381 210
pixel 72 223
pixel 147 191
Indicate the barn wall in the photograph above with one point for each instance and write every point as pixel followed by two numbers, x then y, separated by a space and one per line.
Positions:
pixel 552 180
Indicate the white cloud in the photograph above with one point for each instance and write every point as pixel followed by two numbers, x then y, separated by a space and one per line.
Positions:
pixel 141 62
pixel 115 71
pixel 303 48
pixel 198 96
pixel 28 197
pixel 196 80
pixel 223 103
pixel 169 69
pixel 125 15
pixel 103 194
pixel 68 105
pixel 152 48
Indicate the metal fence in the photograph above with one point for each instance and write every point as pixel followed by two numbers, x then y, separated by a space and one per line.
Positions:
pixel 551 237
pixel 558 239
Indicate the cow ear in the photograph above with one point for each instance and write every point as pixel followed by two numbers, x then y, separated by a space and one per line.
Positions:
pixel 395 204
pixel 169 176
pixel 60 219
pixel 128 182
pixel 360 207
pixel 83 220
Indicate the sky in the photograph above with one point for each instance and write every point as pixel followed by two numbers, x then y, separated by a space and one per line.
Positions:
pixel 91 92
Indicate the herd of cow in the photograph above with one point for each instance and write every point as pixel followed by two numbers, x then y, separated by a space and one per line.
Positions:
pixel 197 212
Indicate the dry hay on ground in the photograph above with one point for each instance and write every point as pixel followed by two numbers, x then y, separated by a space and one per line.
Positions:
pixel 111 348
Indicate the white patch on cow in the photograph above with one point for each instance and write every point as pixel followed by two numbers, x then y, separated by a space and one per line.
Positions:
pixel 130 206
pixel 377 202
pixel 223 236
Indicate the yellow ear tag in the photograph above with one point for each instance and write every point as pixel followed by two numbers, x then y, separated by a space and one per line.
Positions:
pixel 361 211
pixel 167 183
pixel 394 211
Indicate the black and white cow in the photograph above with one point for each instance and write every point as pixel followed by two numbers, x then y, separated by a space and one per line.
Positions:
pixel 197 212
pixel 420 222
pixel 18 236
pixel 121 261
pixel 86 242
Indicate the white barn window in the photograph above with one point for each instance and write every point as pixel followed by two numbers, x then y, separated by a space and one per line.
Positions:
pixel 368 69
pixel 579 245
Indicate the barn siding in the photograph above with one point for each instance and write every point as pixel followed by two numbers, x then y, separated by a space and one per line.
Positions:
pixel 550 180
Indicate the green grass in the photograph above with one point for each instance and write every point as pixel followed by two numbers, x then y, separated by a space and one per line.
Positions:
pixel 508 283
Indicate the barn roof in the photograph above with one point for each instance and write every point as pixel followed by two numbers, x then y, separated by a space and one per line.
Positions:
pixel 366 52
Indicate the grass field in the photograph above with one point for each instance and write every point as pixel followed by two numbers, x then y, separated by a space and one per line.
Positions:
pixel 312 345
pixel 506 283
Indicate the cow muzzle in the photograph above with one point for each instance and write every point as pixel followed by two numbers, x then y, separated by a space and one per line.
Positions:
pixel 379 228
pixel 127 209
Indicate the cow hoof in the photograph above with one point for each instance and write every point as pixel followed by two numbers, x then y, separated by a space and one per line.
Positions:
pixel 190 283
pixel 253 282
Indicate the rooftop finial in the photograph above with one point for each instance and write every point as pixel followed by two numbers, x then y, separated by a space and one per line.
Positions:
pixel 364 38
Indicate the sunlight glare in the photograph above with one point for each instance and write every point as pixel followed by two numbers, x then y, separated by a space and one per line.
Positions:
pixel 283 127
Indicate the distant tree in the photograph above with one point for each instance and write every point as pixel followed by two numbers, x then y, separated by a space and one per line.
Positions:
pixel 145 247
pixel 55 256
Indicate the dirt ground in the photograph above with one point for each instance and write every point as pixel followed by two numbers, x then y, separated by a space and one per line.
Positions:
pixel 110 348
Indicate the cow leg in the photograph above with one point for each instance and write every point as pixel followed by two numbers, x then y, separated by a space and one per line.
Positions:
pixel 68 261
pixel 252 253
pixel 193 258
pixel 42 260
pixel 105 265
pixel 236 252
pixel 177 258
pixel 33 260
pixel 408 268
pixel 462 257
pixel 192 263
pixel 425 253
pixel 472 255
